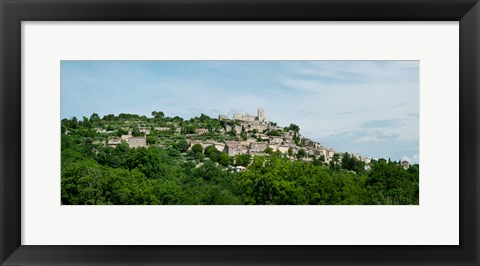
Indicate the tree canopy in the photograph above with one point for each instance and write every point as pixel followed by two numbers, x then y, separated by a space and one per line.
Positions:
pixel 169 172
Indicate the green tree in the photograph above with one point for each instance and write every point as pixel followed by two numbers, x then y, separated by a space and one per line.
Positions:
pixel 224 159
pixel 242 159
pixel 136 132
pixel 182 145
pixel 73 123
pixel 293 127
pixel 317 162
pixel 94 118
pixel 151 140
pixel 210 150
pixel 243 135
pixel 273 133
pixel 301 153
pixel 351 163
pixel 158 115
pixel 322 158
pixel 197 148
pixel 110 117
pixel 335 162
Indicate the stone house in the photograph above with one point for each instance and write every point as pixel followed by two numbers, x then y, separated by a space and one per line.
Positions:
pixel 283 148
pixel 405 165
pixel 275 140
pixel 125 137
pixel 162 128
pixel 235 148
pixel 114 142
pixel 258 146
pixel 243 117
pixel 320 152
pixel 144 130
pixel 263 137
pixel 237 129
pixel 310 143
pixel 219 146
pixel 201 131
pixel 135 142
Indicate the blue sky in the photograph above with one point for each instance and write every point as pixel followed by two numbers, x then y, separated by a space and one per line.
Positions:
pixel 369 107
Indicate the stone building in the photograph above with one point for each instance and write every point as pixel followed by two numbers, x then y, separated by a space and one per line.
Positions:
pixel 257 147
pixel 310 143
pixel 259 126
pixel 235 148
pixel 261 115
pixel 125 137
pixel 162 128
pixel 205 143
pixel 250 118
pixel 144 130
pixel 275 140
pixel 135 142
pixel 320 152
pixel 243 117
pixel 219 146
pixel 283 148
pixel 236 128
pixel 201 131
pixel 114 142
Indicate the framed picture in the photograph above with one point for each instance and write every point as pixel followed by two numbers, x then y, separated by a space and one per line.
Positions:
pixel 56 61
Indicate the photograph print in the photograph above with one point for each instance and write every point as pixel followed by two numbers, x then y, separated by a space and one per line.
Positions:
pixel 239 132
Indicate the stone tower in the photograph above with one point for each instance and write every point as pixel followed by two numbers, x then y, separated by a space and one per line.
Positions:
pixel 261 115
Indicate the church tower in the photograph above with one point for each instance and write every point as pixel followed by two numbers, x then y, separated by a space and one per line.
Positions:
pixel 261 115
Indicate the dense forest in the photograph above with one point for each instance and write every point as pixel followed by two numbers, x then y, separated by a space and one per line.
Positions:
pixel 168 171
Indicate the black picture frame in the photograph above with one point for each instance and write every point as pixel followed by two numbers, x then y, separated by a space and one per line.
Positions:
pixel 13 12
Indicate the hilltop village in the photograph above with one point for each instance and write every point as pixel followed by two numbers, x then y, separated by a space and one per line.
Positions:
pixel 242 159
pixel 242 134
pixel 257 135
